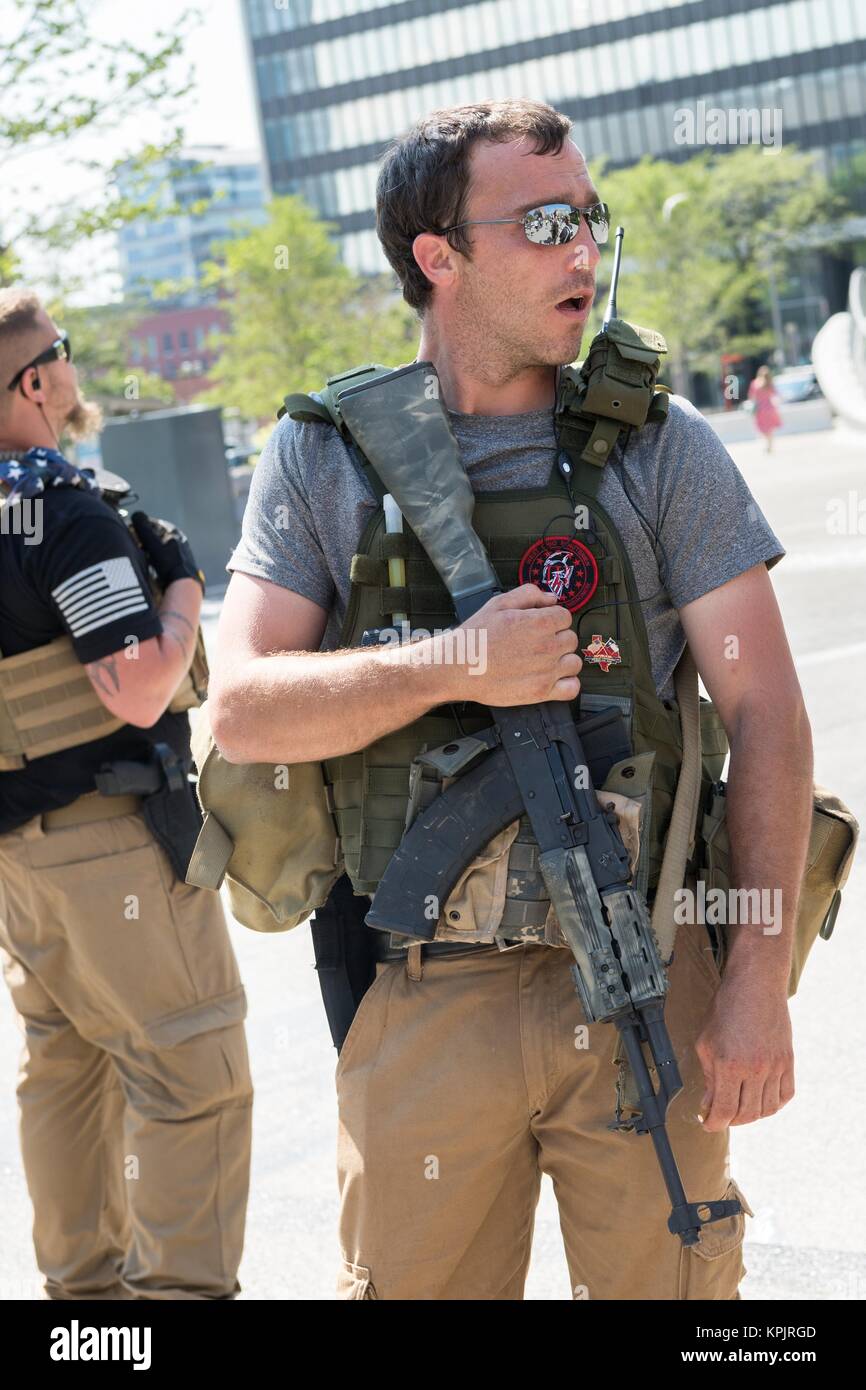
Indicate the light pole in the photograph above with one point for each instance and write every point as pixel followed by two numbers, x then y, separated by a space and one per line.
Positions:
pixel 775 309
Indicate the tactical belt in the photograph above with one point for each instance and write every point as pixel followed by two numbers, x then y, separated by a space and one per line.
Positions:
pixel 386 952
pixel 90 807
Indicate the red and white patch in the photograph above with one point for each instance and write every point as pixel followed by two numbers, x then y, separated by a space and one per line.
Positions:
pixel 562 566
pixel 602 652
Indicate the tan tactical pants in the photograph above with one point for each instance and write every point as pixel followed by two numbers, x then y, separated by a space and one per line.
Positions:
pixel 458 1089
pixel 135 1094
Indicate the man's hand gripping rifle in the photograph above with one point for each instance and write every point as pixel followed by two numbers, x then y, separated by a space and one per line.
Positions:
pixel 532 761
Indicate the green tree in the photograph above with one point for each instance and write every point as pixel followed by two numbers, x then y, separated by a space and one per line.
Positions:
pixel 60 80
pixel 704 238
pixel 849 182
pixel 298 315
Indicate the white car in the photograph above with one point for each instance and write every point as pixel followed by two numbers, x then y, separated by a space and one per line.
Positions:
pixel 796 384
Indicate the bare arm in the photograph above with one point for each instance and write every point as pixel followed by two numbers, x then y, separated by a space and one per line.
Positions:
pixel 275 698
pixel 138 682
pixel 739 643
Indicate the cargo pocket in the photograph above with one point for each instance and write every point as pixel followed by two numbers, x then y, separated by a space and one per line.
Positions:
pixel 354 1282
pixel 125 955
pixel 713 1268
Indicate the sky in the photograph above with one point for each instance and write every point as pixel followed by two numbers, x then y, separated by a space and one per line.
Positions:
pixel 219 110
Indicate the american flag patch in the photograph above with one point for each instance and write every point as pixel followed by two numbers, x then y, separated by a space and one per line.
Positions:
pixel 100 594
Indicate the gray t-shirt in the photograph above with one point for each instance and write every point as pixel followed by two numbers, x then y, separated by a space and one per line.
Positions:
pixel 308 507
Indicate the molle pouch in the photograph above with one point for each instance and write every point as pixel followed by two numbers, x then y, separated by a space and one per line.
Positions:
pixel 268 831
pixel 618 389
pixel 616 384
pixel 832 843
pixel 477 901
pixel 632 780
pixel 628 820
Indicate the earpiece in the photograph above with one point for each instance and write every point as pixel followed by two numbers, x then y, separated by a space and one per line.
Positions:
pixel 37 382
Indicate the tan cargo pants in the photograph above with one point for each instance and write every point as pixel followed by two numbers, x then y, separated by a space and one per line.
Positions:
pixel 135 1094
pixel 461 1083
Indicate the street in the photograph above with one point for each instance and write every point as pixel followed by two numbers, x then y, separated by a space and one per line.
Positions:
pixel 801 1170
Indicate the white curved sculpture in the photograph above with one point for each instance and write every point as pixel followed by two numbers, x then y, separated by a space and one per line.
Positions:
pixel 839 355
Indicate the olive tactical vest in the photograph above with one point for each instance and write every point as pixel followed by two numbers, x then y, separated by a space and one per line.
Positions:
pixel 373 793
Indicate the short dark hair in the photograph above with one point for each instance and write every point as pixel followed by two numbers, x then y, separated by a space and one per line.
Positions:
pixel 424 179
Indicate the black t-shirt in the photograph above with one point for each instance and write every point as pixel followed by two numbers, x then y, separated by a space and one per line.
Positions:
pixel 83 576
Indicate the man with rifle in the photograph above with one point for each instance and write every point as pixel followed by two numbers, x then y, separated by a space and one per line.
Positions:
pixel 509 824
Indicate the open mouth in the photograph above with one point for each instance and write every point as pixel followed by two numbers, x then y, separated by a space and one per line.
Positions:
pixel 574 306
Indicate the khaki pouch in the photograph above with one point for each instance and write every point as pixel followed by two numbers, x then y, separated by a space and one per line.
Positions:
pixel 477 901
pixel 268 832
pixel 475 905
pixel 832 842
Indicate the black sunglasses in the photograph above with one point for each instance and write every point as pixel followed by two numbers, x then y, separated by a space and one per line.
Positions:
pixel 553 223
pixel 59 351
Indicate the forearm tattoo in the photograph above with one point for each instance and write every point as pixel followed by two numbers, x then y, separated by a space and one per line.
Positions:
pixel 173 613
pixel 103 673
pixel 185 641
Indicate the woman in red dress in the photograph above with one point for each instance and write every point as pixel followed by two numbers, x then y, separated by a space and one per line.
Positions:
pixel 767 417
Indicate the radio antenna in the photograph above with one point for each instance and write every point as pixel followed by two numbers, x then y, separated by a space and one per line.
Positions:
pixel 610 311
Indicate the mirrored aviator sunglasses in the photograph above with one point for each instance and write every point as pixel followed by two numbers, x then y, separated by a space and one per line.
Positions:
pixel 555 223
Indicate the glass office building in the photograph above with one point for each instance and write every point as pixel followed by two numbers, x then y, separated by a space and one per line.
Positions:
pixel 208 192
pixel 337 79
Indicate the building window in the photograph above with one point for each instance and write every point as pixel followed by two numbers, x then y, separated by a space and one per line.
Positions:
pixel 183 340
pixel 167 343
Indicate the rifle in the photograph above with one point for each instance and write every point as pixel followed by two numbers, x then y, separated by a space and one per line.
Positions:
pixel 531 760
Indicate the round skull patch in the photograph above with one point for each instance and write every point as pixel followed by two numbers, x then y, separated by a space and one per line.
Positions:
pixel 562 565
